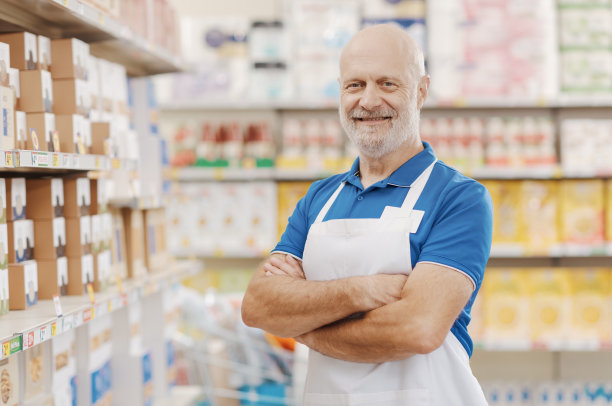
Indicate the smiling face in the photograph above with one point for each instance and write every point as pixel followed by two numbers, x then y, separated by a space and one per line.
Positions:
pixel 382 90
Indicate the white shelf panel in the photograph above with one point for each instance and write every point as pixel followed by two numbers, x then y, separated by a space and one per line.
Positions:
pixel 109 38
pixel 23 329
pixel 52 161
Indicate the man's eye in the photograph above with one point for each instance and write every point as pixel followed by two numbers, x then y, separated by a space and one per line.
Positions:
pixel 354 85
pixel 388 84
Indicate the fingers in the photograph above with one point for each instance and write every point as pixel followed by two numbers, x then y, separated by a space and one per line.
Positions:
pixel 290 269
pixel 273 270
pixel 296 264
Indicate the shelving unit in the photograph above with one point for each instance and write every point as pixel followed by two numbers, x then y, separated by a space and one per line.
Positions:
pixel 58 162
pixel 109 39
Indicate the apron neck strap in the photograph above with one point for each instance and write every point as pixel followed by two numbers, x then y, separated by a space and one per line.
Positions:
pixel 416 188
pixel 328 204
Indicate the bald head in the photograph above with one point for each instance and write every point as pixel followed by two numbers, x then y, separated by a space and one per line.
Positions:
pixel 386 41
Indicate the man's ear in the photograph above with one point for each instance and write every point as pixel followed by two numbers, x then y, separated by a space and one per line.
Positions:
pixel 423 90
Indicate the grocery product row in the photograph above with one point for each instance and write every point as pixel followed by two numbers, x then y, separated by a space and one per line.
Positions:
pixel 543 308
pixel 552 393
pixel 62 238
pixel 531 218
pixel 57 97
pixel 547 51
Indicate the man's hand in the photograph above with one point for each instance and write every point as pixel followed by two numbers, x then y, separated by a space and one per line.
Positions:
pixel 288 266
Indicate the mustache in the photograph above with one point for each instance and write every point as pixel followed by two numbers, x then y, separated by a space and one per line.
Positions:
pixel 361 113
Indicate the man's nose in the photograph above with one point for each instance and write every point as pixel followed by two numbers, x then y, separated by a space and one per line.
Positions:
pixel 370 98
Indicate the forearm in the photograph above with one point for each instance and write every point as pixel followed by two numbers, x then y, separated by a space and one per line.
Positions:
pixel 289 307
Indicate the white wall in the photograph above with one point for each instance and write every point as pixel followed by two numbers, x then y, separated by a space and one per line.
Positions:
pixel 253 9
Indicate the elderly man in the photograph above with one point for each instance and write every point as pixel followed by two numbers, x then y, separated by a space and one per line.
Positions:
pixel 338 279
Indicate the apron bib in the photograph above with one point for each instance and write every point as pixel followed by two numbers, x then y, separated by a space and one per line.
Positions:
pixel 355 247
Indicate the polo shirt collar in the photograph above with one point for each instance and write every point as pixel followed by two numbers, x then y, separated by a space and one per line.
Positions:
pixel 404 175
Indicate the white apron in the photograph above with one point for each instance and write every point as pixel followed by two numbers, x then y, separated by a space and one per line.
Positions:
pixel 351 247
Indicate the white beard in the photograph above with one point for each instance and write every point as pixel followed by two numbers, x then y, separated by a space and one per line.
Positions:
pixel 375 143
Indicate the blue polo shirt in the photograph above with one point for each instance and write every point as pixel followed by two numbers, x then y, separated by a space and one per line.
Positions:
pixel 456 229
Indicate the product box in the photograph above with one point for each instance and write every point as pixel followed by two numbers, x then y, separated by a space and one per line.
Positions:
pixel 78 236
pixel 4 246
pixel 37 371
pixel 10 382
pixel 549 294
pixel 20 240
pixel 582 213
pixel 41 127
pixel 102 270
pixel 44 53
pixel 99 195
pixel 118 247
pixel 14 84
pixel 70 59
pixel 4 291
pixel 50 238
pixel 36 91
pixel 609 214
pixel 505 296
pixel 47 197
pixel 24 53
pixel 53 276
pixel 134 237
pixel 16 195
pixel 5 64
pixel 23 285
pixel 539 215
pixel 97 239
pixel 589 306
pixel 64 369
pixel 75 97
pixel 80 273
pixel 3 209
pixel 73 130
pixel 508 227
pixel 77 197
pixel 100 137
pixel 7 115
pixel 156 256
pixel 21 130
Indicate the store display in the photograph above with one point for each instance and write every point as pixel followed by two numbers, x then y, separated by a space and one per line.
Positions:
pixel 53 277
pixel 36 91
pixel 80 274
pixel 24 51
pixel 23 285
pixel 71 130
pixel 20 240
pixel 42 132
pixel 75 97
pixel 51 239
pixel 77 197
pixel 47 196
pixel 70 59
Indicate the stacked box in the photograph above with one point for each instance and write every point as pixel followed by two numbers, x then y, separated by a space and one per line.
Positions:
pixel 118 247
pixel 24 52
pixel 134 237
pixel 79 245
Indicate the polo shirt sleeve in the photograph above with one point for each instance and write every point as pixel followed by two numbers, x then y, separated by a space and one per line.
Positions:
pixel 462 231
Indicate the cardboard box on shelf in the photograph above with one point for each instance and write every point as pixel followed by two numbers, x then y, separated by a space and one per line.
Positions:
pixel 118 247
pixel 15 85
pixel 36 91
pixel 20 240
pixel 77 197
pixel 75 97
pixel 72 129
pixel 64 368
pixel 134 236
pixel 47 197
pixel 78 236
pixel 53 277
pixel 99 195
pixel 37 366
pixel 582 212
pixel 23 285
pixel 43 125
pixel 549 293
pixel 589 305
pixel 100 137
pixel 156 255
pixel 4 246
pixel 21 130
pixel 80 273
pixel 7 115
pixel 24 53
pixel 70 59
pixel 539 208
pixel 11 382
pixel 3 209
pixel 5 64
pixel 102 270
pixel 50 238
pixel 44 53
pixel 609 212
pixel 16 195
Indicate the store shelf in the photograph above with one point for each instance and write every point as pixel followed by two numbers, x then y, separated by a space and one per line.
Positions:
pixel 139 203
pixel 23 329
pixel 181 396
pixel 493 103
pixel 528 345
pixel 52 162
pixel 109 39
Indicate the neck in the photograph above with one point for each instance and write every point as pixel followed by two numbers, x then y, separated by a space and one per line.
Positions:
pixel 373 170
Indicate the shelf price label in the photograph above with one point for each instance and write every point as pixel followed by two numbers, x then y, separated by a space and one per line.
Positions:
pixel 56 161
pixel 16 344
pixel 88 314
pixel 29 340
pixel 45 333
pixel 90 292
pixel 53 329
pixel 6 349
pixel 8 159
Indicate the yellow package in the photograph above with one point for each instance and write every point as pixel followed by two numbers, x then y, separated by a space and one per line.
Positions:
pixel 582 213
pixel 589 306
pixel 289 193
pixel 549 292
pixel 506 308
pixel 539 212
pixel 608 214
pixel 508 228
